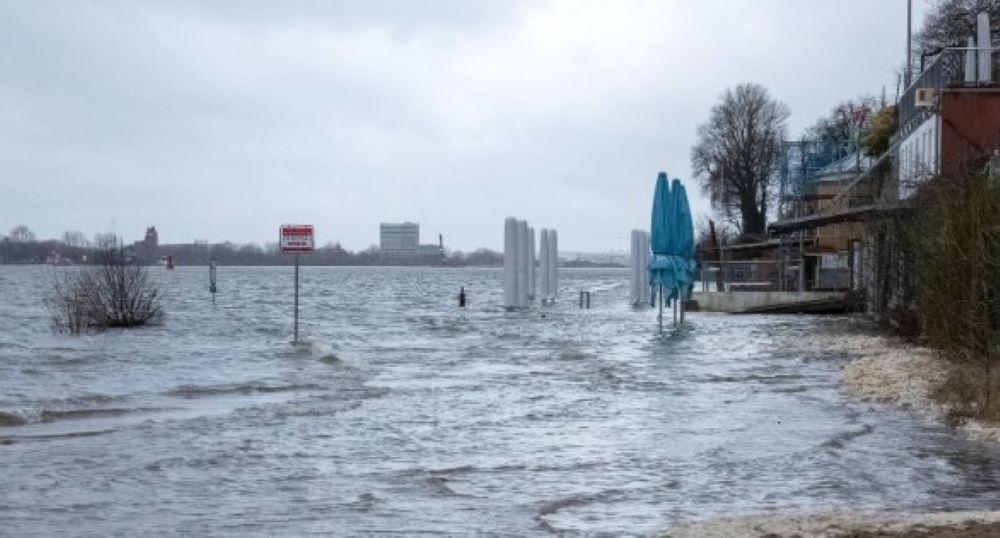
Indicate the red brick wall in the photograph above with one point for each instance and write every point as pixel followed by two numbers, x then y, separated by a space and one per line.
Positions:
pixel 970 126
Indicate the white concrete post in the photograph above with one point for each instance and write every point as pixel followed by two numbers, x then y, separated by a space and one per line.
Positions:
pixel 543 269
pixel 522 263
pixel 510 263
pixel 553 264
pixel 532 276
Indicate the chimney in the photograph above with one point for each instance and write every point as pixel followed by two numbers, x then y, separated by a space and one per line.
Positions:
pixel 984 46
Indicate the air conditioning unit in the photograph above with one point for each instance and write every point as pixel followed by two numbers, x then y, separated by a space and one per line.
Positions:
pixel 926 97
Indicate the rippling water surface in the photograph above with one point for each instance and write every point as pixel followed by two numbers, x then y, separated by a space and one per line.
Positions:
pixel 405 413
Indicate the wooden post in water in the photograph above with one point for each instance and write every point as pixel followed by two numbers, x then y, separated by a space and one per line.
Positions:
pixel 211 279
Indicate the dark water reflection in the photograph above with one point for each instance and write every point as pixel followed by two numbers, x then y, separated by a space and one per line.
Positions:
pixel 408 414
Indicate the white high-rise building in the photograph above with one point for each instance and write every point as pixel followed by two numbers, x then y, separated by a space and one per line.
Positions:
pixel 399 239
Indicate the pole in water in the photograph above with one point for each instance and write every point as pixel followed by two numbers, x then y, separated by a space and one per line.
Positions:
pixel 211 279
pixel 296 297
pixel 659 317
pixel 461 297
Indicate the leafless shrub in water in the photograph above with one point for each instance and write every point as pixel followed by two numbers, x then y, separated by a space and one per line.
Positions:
pixel 115 292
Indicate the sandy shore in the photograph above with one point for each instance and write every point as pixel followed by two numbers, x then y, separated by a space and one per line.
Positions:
pixel 858 524
pixel 906 376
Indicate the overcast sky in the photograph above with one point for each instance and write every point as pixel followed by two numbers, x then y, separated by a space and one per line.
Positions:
pixel 220 121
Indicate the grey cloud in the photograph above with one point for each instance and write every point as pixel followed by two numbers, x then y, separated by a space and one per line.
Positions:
pixel 221 120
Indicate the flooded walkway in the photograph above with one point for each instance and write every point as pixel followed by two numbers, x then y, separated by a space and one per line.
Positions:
pixel 409 414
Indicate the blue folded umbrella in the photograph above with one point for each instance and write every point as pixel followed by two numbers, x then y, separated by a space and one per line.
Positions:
pixel 672 241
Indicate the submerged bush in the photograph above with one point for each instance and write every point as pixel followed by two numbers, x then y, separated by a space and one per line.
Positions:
pixel 115 292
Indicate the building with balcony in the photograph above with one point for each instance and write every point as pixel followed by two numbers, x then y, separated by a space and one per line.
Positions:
pixel 828 223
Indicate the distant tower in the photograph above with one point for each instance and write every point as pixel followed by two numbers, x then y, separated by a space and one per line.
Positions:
pixel 151 243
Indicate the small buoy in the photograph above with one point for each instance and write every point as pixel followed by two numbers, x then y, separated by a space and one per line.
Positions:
pixel 461 297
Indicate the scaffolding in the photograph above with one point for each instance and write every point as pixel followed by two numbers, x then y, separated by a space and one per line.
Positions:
pixel 811 173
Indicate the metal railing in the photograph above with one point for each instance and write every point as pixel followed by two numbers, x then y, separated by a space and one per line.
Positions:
pixel 777 275
pixel 956 67
pixel 752 275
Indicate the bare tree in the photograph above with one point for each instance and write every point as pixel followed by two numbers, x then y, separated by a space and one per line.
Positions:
pixel 106 241
pixel 21 234
pixel 949 23
pixel 74 239
pixel 113 293
pixel 737 152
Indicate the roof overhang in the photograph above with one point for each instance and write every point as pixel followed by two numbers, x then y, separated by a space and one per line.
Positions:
pixel 852 214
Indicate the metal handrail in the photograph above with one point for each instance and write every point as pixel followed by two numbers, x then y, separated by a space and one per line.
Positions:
pixel 946 70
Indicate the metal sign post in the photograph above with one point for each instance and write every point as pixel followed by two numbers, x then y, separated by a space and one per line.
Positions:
pixel 296 238
pixel 296 296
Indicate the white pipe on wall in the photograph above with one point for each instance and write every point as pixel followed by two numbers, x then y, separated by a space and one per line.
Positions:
pixel 970 60
pixel 985 47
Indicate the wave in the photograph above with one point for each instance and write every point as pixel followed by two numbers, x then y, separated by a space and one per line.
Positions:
pixel 76 414
pixel 8 419
pixel 195 391
pixel 839 440
pixel 49 436
pixel 42 416
pixel 549 508
pixel 309 349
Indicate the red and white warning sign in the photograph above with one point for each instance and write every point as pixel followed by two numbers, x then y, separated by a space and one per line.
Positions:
pixel 296 238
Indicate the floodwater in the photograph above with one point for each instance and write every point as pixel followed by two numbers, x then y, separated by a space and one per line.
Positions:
pixel 407 414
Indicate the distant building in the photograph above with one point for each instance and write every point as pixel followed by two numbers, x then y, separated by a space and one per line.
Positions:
pixel 430 251
pixel 399 240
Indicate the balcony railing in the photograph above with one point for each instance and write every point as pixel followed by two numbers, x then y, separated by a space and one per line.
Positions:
pixel 952 68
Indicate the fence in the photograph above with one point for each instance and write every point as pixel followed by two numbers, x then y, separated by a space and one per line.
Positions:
pixel 955 67
pixel 825 272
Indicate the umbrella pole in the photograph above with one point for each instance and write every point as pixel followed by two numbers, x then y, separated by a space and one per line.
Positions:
pixel 675 312
pixel 660 317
